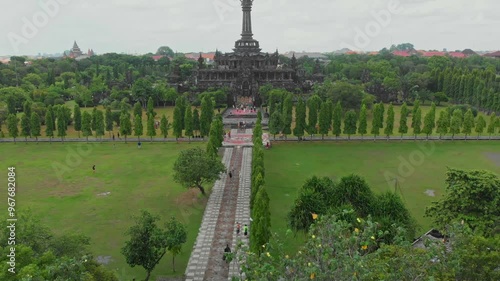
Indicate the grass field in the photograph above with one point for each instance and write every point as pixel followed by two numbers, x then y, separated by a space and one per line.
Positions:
pixel 288 165
pixel 136 179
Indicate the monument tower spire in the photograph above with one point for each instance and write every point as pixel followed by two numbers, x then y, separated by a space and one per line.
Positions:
pixel 247 43
pixel 246 6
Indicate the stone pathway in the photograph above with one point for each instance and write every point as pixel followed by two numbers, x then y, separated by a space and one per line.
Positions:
pixel 229 203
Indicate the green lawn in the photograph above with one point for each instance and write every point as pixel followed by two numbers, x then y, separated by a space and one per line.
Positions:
pixel 137 179
pixel 288 165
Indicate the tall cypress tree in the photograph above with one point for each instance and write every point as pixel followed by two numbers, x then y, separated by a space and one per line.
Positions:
pixel 25 127
pixel 151 130
pixel 261 227
pixel 151 108
pixel 337 120
pixel 313 104
pixel 480 125
pixel 468 123
pixel 188 122
pixel 138 128
pixel 324 121
pixel 389 128
pixel 177 122
pixel 300 119
pixel 376 121
pixel 363 122
pixel 381 115
pixel 12 126
pixel 196 121
pixel 206 117
pixel 125 125
pixel 137 109
pixel 164 126
pixel 492 124
pixel 86 125
pixel 456 123
pixel 428 124
pixel 109 121
pixel 62 123
pixel 100 124
pixel 443 123
pixel 94 119
pixel 77 119
pixel 287 114
pixel 416 122
pixel 49 125
pixel 351 119
pixel 403 121
pixel 36 125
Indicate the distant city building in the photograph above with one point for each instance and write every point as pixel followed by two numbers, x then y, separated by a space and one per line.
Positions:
pixel 77 54
pixel 428 54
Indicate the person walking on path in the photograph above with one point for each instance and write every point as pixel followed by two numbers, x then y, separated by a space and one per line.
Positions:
pixel 230 175
pixel 113 137
pixel 238 228
pixel 139 145
pixel 93 168
pixel 227 251
pixel 245 230
pixel 118 135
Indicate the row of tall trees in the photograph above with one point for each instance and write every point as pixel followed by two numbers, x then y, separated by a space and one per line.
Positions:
pixel 317 116
pixel 189 122
pixel 260 231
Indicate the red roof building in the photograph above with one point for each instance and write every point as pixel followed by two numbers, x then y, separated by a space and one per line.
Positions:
pixel 457 55
pixel 493 55
pixel 401 53
pixel 433 54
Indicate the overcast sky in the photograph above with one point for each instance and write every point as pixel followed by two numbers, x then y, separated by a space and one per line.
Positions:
pixel 141 26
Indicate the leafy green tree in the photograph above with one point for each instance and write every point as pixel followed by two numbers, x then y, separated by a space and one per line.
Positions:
pixel 100 124
pixel 324 120
pixel 125 125
pixel 403 121
pixel 86 125
pixel 138 128
pixel 49 129
pixel 314 104
pixel 195 167
pixel 389 128
pixel 337 120
pixel 188 122
pixel 164 126
pixel 137 109
pixel 151 108
pixel 12 126
pixel 27 108
pixel 206 117
pixel 456 123
pixel 276 123
pixel 36 125
pixel 443 123
pixel 177 123
pixel 492 124
pixel 468 123
pixel 300 119
pixel 472 196
pixel 351 120
pixel 151 131
pixel 176 234
pixel 77 119
pixel 363 123
pixel 440 97
pixel 62 123
pixel 261 226
pixel 25 127
pixel 416 122
pixel 147 244
pixel 196 121
pixel 480 125
pixel 109 120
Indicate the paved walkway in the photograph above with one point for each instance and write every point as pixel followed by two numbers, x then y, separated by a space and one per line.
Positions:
pixel 229 203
